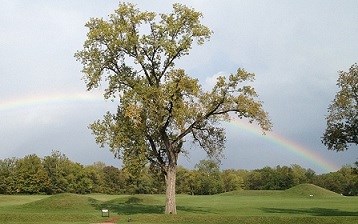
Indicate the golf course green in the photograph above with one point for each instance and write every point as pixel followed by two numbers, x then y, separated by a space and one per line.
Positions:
pixel 301 204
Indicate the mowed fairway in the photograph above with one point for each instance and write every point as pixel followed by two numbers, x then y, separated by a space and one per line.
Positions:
pixel 291 206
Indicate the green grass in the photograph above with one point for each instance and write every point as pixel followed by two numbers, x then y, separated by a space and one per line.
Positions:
pixel 8 200
pixel 291 206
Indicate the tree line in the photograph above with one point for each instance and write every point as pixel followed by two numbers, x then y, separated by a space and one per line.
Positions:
pixel 56 173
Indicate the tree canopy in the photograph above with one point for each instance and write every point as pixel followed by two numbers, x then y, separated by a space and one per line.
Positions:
pixel 342 120
pixel 159 105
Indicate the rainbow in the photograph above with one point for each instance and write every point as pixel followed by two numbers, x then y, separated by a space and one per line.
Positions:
pixel 300 150
pixel 49 99
pixel 75 97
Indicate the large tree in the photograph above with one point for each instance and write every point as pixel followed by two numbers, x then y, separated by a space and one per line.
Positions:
pixel 132 53
pixel 342 120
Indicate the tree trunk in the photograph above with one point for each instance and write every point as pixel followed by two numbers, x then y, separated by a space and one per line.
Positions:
pixel 170 178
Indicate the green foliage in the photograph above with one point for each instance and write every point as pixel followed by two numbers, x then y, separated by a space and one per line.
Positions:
pixel 206 178
pixel 183 181
pixel 31 176
pixel 301 175
pixel 96 175
pixel 113 179
pixel 344 181
pixel 232 180
pixel 279 178
pixel 159 105
pixel 254 181
pixel 57 167
pixel 8 176
pixel 77 180
pixel 342 120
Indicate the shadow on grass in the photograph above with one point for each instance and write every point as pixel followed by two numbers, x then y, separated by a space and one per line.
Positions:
pixel 132 205
pixel 135 205
pixel 311 211
pixel 196 210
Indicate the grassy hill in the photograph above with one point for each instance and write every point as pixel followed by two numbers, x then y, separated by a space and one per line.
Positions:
pixel 302 190
pixel 310 190
pixel 68 202
pixel 10 200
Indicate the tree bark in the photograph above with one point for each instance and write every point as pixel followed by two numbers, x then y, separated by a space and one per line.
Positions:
pixel 170 179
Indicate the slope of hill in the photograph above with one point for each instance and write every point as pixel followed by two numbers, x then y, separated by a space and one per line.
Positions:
pixel 64 201
pixel 310 190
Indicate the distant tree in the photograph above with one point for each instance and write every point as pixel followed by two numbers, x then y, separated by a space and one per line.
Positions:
pixel 145 183
pixel 284 178
pixel 269 178
pixel 342 120
pixel 334 181
pixel 350 183
pixel 31 176
pixel 186 181
pixel 183 180
pixel 113 181
pixel 78 179
pixel 158 181
pixel 310 175
pixel 278 178
pixel 57 166
pixel 232 180
pixel 254 181
pixel 160 105
pixel 208 178
pixel 96 174
pixel 8 182
pixel 298 174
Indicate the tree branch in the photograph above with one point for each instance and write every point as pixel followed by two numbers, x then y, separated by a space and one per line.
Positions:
pixel 159 158
pixel 170 61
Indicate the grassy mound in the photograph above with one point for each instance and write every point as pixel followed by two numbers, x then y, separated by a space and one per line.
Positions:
pixel 60 208
pixel 9 200
pixel 65 201
pixel 310 190
pixel 302 190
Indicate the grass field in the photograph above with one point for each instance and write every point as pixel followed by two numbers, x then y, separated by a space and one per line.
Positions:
pixel 291 206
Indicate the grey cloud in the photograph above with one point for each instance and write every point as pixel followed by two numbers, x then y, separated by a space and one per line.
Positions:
pixel 295 49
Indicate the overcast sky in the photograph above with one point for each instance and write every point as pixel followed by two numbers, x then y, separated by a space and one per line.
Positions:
pixel 295 48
